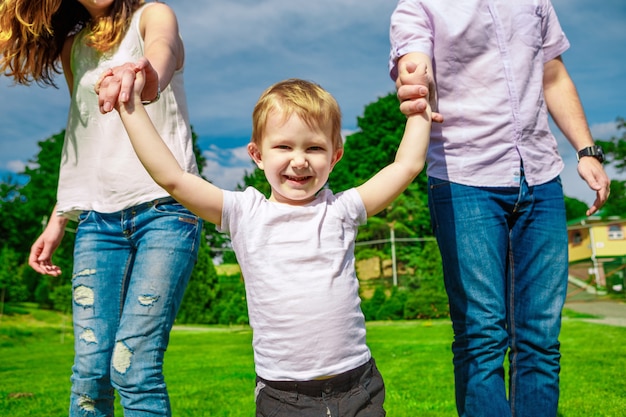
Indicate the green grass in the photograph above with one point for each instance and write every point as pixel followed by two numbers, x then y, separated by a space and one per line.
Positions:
pixel 209 369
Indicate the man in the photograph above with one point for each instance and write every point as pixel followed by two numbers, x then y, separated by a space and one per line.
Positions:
pixel 495 196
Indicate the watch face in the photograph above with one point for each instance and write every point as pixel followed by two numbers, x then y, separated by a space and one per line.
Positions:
pixel 599 154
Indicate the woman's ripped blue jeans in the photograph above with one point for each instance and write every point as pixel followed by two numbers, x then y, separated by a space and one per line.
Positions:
pixel 130 272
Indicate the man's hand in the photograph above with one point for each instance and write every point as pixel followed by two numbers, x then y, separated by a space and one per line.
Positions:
pixel 591 170
pixel 416 89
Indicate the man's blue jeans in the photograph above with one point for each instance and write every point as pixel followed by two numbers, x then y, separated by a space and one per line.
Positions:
pixel 130 272
pixel 504 253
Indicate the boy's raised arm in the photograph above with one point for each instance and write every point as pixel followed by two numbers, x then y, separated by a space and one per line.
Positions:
pixel 198 195
pixel 378 192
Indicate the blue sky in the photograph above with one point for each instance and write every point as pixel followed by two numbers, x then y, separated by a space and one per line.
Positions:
pixel 235 49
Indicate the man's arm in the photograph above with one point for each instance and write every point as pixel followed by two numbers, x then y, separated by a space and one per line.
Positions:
pixel 378 192
pixel 198 195
pixel 567 112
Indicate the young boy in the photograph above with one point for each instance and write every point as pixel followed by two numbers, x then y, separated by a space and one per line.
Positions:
pixel 296 249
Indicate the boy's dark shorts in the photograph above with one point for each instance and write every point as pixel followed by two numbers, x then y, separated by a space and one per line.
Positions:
pixel 356 393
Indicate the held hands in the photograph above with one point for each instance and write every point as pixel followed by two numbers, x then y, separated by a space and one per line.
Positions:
pixel 416 89
pixel 115 86
pixel 135 94
pixel 591 170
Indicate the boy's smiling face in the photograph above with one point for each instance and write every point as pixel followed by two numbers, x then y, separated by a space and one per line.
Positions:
pixel 296 158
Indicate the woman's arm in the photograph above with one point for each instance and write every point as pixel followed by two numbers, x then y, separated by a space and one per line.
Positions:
pixel 163 55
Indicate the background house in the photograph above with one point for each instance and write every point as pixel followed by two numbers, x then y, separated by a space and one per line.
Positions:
pixel 597 252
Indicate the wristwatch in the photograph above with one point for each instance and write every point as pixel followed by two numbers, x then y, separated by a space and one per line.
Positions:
pixel 593 151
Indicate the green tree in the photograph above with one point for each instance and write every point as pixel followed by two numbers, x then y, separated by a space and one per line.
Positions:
pixel 11 285
pixel 256 178
pixel 373 305
pixel 231 305
pixel 615 150
pixel 393 307
pixel 616 204
pixel 29 205
pixel 200 159
pixel 574 209
pixel 9 219
pixel 200 295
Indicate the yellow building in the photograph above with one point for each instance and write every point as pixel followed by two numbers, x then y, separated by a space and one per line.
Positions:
pixel 597 251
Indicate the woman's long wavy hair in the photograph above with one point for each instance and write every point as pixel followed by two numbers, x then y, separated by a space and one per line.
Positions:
pixel 32 34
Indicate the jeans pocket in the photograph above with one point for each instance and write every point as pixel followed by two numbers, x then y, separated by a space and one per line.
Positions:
pixel 439 193
pixel 83 215
pixel 172 207
pixel 436 183
pixel 270 402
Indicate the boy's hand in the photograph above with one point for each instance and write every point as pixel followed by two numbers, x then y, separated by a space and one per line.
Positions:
pixel 414 85
pixel 135 92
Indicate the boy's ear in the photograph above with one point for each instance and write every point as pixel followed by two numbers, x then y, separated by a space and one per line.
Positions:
pixel 255 154
pixel 336 157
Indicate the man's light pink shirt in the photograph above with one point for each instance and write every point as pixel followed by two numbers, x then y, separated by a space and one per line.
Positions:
pixel 488 58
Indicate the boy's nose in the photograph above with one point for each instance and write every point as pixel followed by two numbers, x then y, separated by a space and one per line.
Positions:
pixel 299 161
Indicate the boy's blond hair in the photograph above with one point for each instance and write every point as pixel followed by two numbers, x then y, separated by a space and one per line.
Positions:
pixel 33 32
pixel 314 105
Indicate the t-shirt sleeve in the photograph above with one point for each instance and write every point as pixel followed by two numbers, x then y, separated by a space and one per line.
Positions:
pixel 353 205
pixel 238 205
pixel 228 209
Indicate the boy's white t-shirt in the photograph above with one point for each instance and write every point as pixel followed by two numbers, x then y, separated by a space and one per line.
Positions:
pixel 302 291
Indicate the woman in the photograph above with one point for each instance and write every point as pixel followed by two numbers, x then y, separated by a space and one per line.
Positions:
pixel 135 246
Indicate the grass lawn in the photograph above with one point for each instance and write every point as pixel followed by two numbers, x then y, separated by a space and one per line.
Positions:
pixel 209 369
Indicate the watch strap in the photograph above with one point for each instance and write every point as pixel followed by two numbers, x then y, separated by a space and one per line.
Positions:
pixel 594 151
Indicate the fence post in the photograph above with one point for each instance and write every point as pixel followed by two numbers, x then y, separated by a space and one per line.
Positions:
pixel 392 239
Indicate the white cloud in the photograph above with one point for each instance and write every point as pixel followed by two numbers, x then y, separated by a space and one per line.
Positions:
pixel 226 167
pixel 604 131
pixel 16 166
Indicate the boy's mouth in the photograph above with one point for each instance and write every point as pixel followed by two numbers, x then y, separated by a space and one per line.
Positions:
pixel 297 179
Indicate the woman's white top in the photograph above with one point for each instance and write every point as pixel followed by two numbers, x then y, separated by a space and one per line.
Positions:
pixel 99 168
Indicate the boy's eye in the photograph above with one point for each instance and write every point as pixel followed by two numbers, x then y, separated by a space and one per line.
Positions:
pixel 316 148
pixel 282 147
